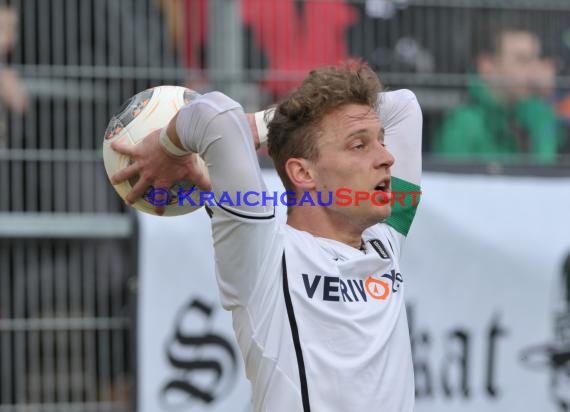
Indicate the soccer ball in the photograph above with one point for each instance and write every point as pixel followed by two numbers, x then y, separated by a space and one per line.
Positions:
pixel 143 113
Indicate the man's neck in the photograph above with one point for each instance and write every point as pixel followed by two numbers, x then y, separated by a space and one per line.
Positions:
pixel 317 222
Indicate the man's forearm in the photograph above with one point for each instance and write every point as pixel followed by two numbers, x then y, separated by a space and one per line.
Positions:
pixel 258 130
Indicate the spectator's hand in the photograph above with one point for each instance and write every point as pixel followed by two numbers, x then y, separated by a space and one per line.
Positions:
pixel 12 91
pixel 155 167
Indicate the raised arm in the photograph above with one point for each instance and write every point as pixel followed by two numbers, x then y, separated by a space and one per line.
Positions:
pixel 215 127
pixel 245 232
pixel 402 118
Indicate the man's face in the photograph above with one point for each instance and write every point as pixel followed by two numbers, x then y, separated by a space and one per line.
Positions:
pixel 352 156
pixel 513 71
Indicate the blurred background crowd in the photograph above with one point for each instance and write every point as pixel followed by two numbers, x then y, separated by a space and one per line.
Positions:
pixel 492 77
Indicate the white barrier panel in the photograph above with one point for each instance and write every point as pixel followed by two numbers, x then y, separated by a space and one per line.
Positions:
pixel 483 270
pixel 482 267
pixel 188 359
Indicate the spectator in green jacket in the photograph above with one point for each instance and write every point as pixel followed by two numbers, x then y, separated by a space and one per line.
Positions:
pixel 505 118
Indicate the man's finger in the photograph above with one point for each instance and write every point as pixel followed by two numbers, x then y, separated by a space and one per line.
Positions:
pixel 124 174
pixel 203 182
pixel 162 200
pixel 123 148
pixel 159 210
pixel 137 191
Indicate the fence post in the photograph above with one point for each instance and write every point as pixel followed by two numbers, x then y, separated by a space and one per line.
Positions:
pixel 225 47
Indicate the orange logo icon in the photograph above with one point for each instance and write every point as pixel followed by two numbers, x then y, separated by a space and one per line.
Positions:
pixel 376 288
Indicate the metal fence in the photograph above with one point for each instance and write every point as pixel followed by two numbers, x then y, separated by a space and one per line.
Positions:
pixel 67 248
pixel 65 314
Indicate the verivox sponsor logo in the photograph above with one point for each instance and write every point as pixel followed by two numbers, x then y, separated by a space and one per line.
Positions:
pixel 341 197
pixel 336 289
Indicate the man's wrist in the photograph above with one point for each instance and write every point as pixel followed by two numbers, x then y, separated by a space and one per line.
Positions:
pixel 262 118
pixel 169 146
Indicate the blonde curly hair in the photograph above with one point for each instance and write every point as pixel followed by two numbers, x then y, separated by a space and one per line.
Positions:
pixel 295 127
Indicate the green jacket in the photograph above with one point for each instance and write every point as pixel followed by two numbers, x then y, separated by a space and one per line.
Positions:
pixel 486 129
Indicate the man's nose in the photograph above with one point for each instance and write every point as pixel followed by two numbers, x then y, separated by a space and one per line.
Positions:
pixel 384 157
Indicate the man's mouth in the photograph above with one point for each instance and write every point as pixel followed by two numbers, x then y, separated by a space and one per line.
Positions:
pixel 383 186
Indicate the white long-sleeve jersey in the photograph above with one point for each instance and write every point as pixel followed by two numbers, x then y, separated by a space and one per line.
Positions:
pixel 321 325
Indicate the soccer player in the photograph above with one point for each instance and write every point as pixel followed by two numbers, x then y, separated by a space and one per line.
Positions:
pixel 318 302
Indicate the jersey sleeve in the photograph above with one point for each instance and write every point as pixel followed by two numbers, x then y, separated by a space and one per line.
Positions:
pixel 244 228
pixel 401 116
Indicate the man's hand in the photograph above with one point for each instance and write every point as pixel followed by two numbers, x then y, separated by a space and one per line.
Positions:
pixel 155 167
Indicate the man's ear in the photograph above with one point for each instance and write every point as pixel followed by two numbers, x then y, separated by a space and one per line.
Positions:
pixel 300 173
pixel 486 65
